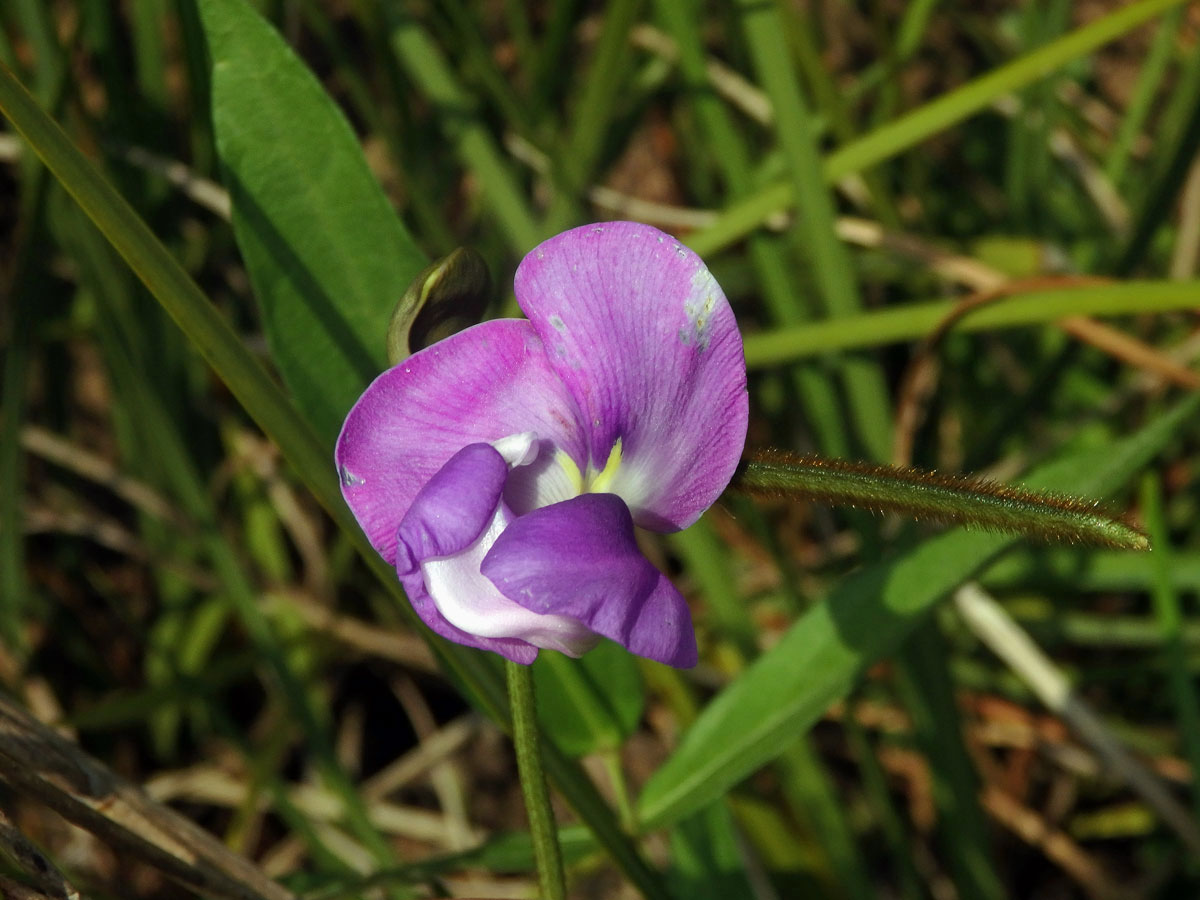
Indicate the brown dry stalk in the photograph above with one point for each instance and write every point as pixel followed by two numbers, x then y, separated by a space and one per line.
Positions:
pixel 38 763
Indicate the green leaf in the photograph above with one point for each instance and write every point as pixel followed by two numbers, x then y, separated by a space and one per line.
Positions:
pixel 588 704
pixel 864 618
pixel 327 256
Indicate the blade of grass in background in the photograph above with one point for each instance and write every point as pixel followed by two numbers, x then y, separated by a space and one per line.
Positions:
pixel 149 24
pixel 592 111
pixel 910 129
pixel 707 859
pixel 17 323
pixel 781 289
pixel 813 798
pixel 908 38
pixel 1178 137
pixel 428 69
pixel 928 694
pixel 875 788
pixel 1149 82
pixel 479 62
pixel 828 258
pixel 914 320
pixel 833 105
pixel 865 617
pixel 13 585
pixel 1027 160
pixel 551 54
pixel 49 67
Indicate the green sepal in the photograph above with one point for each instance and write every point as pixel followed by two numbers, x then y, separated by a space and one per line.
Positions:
pixel 447 296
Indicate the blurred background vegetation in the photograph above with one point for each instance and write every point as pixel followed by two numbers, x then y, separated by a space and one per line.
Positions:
pixel 170 594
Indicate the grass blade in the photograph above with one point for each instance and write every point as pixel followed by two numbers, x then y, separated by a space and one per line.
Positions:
pixel 828 258
pixel 915 320
pixel 912 128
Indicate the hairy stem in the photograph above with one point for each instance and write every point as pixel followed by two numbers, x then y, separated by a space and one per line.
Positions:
pixel 542 830
pixel 955 499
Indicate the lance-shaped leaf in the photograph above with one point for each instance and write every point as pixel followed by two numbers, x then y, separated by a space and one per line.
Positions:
pixel 327 256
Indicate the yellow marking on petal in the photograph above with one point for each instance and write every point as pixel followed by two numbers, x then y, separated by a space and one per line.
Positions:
pixel 573 474
pixel 600 482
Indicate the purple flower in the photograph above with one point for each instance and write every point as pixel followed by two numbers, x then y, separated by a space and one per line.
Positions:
pixel 503 469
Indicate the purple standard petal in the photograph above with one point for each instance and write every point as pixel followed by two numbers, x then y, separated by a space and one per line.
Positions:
pixel 579 559
pixel 642 335
pixel 482 384
pixel 449 528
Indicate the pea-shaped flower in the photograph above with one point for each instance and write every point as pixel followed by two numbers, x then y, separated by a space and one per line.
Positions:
pixel 502 470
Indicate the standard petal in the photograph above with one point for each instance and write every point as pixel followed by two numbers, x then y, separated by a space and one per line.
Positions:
pixel 579 559
pixel 452 523
pixel 482 384
pixel 643 336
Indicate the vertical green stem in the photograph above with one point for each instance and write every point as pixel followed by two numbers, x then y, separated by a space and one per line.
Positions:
pixel 551 882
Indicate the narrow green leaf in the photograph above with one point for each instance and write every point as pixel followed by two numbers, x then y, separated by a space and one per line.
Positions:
pixel 1141 102
pixel 594 107
pixel 816 803
pixel 863 619
pixel 464 126
pixel 927 690
pixel 13 583
pixel 327 256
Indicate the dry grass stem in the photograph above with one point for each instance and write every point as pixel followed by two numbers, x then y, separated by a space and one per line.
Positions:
pixel 37 763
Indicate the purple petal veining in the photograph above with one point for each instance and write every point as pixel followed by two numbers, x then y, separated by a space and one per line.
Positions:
pixel 642 335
